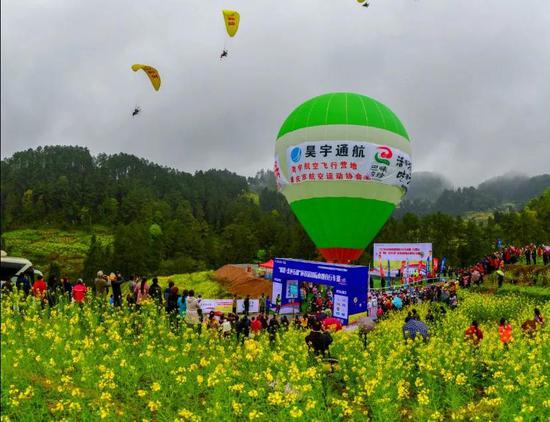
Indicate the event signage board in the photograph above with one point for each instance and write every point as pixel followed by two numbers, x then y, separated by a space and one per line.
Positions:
pixel 413 252
pixel 220 305
pixel 349 283
pixel 254 306
pixel 226 305
pixel 394 256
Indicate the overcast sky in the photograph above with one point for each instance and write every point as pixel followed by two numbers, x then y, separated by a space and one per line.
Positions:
pixel 469 80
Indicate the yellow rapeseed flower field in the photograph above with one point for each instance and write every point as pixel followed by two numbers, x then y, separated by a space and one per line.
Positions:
pixel 99 363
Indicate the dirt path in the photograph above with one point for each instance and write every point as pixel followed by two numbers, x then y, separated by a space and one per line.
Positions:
pixel 237 280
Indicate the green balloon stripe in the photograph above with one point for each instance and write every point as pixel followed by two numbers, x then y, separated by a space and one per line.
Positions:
pixel 343 108
pixel 340 222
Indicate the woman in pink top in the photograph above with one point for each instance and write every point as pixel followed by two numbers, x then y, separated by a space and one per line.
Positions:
pixel 141 291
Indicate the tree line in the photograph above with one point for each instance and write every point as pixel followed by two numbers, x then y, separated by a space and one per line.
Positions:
pixel 166 221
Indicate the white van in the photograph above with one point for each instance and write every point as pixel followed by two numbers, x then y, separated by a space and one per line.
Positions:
pixel 11 267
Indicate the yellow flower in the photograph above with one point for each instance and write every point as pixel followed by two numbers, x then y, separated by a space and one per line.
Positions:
pixel 461 379
pixel 185 414
pixel 254 414
pixel 275 398
pixel 142 393
pixel 402 389
pixel 155 386
pixel 295 412
pixel 237 387
pixel 58 407
pixel 237 407
pixel 253 393
pixel 423 398
pixel 153 405
pixel 200 379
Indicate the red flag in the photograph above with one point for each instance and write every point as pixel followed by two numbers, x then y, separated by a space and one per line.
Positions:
pixel 382 269
pixel 436 265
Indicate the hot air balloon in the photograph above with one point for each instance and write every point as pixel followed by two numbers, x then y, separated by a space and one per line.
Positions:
pixel 343 162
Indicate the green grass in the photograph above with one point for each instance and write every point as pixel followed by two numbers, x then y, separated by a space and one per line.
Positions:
pixel 42 246
pixel 478 216
pixel 203 283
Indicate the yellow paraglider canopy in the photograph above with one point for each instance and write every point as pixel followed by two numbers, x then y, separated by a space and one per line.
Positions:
pixel 152 73
pixel 232 19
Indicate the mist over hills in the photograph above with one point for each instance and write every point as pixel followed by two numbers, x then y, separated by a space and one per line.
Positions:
pixel 426 185
pixel 71 176
pixel 431 192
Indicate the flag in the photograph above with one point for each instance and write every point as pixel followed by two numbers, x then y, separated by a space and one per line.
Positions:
pixel 443 262
pixel 436 265
pixel 382 275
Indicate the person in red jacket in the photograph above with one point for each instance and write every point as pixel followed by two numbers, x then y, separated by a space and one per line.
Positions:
pixel 79 291
pixel 330 323
pixel 473 333
pixel 39 288
pixel 256 326
pixel 505 332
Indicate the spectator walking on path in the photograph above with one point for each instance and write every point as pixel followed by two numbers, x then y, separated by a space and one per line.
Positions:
pixel 192 317
pixel 505 333
pixel 413 326
pixel 101 285
pixel 168 289
pixel 39 289
pixel 23 283
pixel 116 286
pixel 272 328
pixel 79 291
pixel 318 340
pixel 473 333
pixel 141 291
pixel 156 292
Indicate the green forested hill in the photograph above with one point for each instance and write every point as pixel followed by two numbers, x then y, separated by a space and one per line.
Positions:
pixel 151 219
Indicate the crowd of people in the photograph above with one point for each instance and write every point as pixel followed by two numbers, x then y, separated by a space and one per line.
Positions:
pixel 381 302
pixel 474 275
pixel 315 298
pixel 316 302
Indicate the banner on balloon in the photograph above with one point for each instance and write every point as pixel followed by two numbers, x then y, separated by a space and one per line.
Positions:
pixel 346 160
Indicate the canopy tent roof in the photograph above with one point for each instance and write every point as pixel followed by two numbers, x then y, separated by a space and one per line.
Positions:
pixel 268 264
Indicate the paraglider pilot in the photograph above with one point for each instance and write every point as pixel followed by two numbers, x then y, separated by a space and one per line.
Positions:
pixel 224 54
pixel 136 111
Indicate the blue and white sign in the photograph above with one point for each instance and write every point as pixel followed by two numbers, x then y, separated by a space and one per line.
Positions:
pixel 349 283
